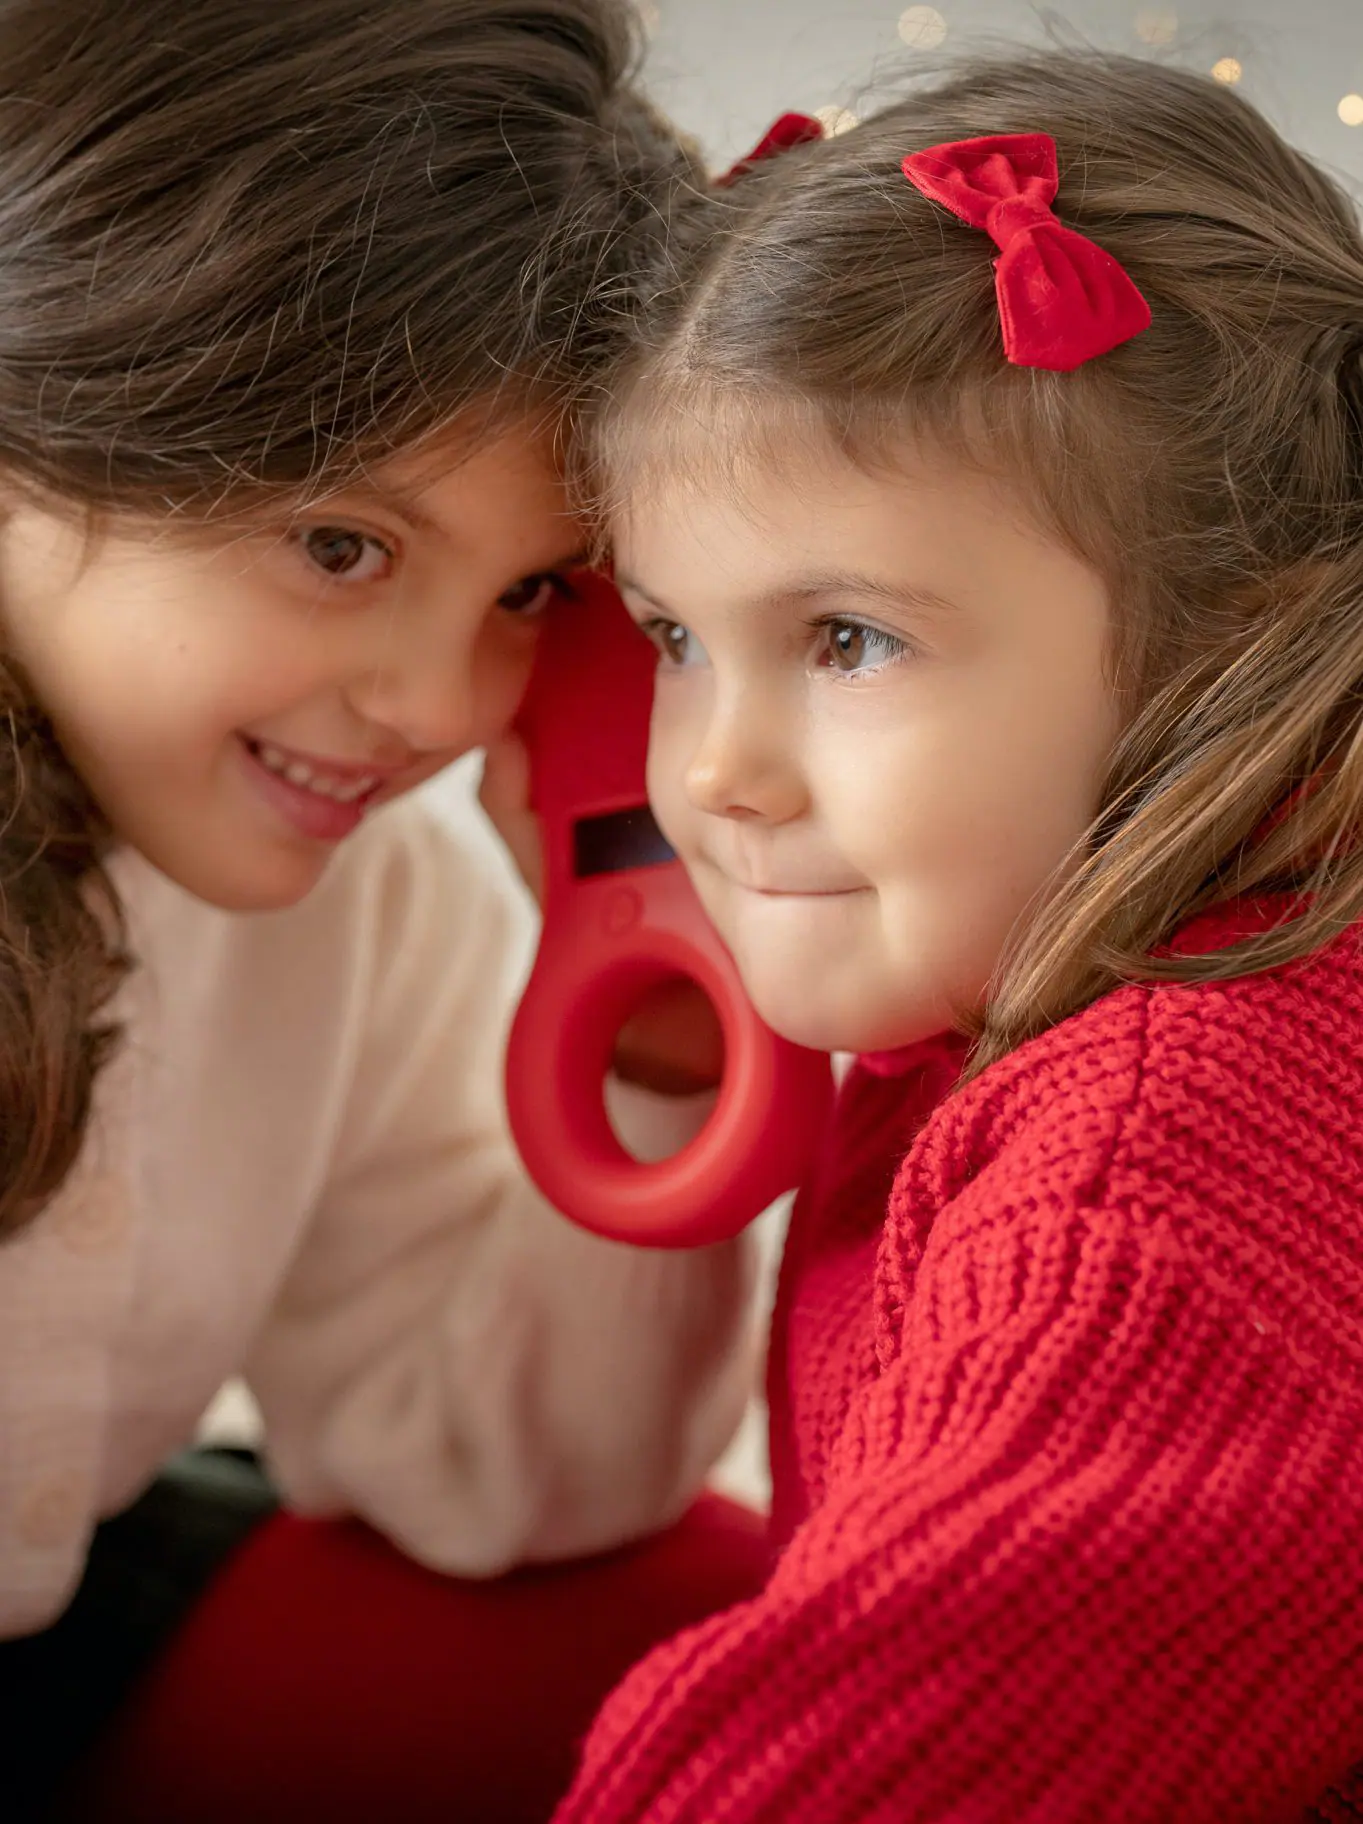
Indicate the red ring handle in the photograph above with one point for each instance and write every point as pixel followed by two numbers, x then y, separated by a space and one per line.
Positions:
pixel 772 1103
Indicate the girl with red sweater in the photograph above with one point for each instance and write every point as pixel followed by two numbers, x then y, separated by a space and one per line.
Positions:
pixel 1003 546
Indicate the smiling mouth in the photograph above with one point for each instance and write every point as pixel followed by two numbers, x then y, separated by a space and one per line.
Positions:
pixel 763 889
pixel 351 788
pixel 799 892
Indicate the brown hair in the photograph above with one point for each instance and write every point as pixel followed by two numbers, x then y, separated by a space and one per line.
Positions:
pixel 248 248
pixel 1211 469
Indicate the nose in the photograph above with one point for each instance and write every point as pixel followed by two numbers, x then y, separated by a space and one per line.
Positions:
pixel 428 709
pixel 442 692
pixel 746 765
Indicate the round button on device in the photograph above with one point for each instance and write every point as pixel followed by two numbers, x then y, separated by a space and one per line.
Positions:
pixel 622 911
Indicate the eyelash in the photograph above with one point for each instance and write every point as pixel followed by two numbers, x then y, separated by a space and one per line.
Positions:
pixel 302 534
pixel 552 579
pixel 892 645
pixel 657 630
pixel 557 584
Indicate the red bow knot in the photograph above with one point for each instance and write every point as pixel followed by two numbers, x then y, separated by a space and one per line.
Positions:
pixel 783 135
pixel 1062 299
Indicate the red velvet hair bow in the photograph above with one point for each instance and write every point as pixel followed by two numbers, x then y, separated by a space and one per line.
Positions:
pixel 790 130
pixel 1062 300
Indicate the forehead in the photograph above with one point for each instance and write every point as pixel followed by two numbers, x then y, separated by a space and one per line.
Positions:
pixel 924 545
pixel 677 435
pixel 506 492
pixel 522 456
pixel 809 506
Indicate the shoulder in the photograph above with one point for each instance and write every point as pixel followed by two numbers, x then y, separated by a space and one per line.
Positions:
pixel 1289 1039
pixel 1216 1122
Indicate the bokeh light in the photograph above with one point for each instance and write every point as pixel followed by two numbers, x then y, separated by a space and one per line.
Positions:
pixel 922 28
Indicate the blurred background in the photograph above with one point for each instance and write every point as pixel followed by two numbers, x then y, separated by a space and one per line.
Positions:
pixel 725 68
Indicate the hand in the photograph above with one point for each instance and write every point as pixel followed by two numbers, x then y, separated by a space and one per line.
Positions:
pixel 504 794
pixel 672 1043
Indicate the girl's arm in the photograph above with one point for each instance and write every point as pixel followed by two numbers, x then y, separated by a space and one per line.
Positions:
pixel 1091 1545
pixel 449 1358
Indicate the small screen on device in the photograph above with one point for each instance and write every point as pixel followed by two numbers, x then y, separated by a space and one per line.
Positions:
pixel 623 839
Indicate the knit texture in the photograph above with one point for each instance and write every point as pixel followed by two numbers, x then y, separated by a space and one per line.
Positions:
pixel 1067 1446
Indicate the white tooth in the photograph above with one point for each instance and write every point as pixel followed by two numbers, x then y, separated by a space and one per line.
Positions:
pixel 299 773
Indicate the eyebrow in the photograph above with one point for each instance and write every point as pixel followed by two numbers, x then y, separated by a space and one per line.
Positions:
pixel 409 506
pixel 386 493
pixel 398 500
pixel 856 582
pixel 576 559
pixel 623 583
pixel 818 583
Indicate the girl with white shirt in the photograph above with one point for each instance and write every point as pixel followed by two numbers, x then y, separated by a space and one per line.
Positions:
pixel 296 306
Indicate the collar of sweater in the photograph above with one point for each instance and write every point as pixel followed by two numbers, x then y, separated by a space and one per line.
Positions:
pixel 947 1046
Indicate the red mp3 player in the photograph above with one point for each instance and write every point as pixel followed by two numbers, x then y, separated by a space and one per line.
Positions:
pixel 620 916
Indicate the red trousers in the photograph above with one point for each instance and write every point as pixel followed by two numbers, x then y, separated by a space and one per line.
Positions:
pixel 325 1679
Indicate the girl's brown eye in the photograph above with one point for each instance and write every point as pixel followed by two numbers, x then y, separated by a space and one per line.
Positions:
pixel 678 647
pixel 854 648
pixel 532 595
pixel 340 551
pixel 847 644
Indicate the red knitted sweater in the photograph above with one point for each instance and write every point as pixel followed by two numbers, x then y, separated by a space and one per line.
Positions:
pixel 1067 1449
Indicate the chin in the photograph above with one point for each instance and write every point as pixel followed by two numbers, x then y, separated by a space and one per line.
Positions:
pixel 817 1028
pixel 847 1028
pixel 262 889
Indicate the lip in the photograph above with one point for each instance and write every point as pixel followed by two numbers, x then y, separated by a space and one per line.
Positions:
pixel 786 889
pixel 798 892
pixel 385 772
pixel 750 867
pixel 308 813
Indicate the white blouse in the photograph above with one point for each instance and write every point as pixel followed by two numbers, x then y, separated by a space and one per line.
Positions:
pixel 298 1170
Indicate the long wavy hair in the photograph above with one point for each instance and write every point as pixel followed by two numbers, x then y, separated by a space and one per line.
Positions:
pixel 247 249
pixel 1211 469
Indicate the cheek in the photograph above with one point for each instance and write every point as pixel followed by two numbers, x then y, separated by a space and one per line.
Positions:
pixel 135 687
pixel 1046 773
pixel 500 663
pixel 880 780
pixel 1001 770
